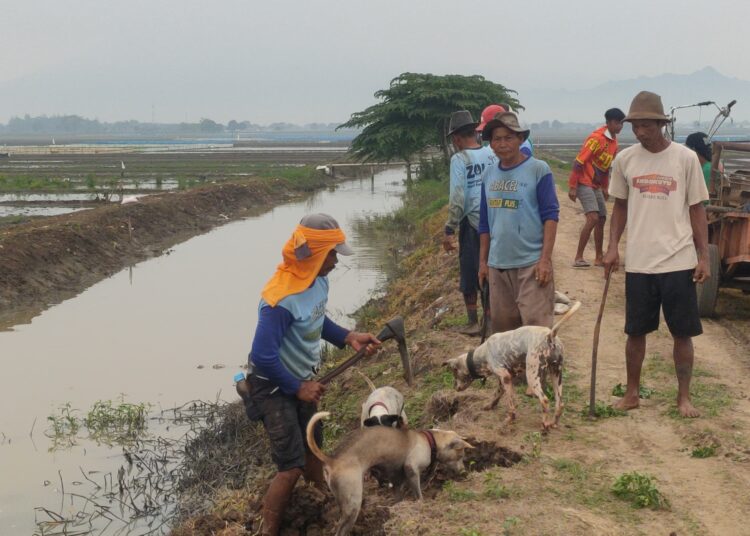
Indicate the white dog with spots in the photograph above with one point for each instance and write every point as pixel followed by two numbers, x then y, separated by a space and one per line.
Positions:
pixel 534 349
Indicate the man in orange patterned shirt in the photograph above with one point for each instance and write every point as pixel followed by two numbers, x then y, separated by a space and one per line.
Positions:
pixel 589 182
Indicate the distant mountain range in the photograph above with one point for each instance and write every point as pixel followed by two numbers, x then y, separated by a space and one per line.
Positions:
pixel 588 105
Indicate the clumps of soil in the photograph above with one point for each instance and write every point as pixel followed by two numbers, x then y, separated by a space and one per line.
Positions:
pixel 445 404
pixel 486 454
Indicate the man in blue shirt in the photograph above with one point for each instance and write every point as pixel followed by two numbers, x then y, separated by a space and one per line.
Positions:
pixel 517 227
pixel 285 356
pixel 468 166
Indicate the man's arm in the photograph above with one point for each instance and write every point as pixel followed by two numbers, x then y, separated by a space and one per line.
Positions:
pixel 456 201
pixel 341 336
pixel 549 212
pixel 616 228
pixel 699 223
pixel 484 239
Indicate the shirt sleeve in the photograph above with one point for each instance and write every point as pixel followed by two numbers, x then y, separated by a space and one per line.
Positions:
pixel 526 148
pixel 546 197
pixel 334 333
pixel 264 355
pixel 575 174
pixel 457 194
pixel 618 184
pixel 484 225
pixel 696 184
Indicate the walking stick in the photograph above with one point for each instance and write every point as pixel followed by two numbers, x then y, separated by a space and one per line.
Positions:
pixel 485 295
pixel 592 393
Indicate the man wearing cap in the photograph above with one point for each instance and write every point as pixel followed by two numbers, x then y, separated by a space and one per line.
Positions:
pixel 589 181
pixel 659 192
pixel 468 167
pixel 285 355
pixel 517 227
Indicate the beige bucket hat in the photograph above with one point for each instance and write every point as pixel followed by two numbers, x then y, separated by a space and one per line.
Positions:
pixel 646 105
pixel 508 120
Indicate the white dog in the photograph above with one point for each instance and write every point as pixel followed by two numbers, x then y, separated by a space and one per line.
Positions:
pixel 384 406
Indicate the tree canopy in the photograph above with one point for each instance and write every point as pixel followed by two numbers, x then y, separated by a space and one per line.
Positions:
pixel 414 111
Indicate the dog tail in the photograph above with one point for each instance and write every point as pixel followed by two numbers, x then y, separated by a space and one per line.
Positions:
pixel 368 380
pixel 314 448
pixel 573 308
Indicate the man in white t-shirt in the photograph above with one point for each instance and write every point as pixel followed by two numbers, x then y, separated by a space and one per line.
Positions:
pixel 659 192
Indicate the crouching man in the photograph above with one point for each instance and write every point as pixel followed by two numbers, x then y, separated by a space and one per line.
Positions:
pixel 285 356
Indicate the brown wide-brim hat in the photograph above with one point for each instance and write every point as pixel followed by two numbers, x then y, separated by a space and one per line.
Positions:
pixel 508 120
pixel 646 105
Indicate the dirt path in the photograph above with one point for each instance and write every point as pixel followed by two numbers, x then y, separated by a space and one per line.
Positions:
pixel 563 487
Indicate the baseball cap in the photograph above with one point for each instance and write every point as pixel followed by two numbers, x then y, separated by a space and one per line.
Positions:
pixel 322 222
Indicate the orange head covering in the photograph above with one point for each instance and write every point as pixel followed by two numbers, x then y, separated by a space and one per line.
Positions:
pixel 304 254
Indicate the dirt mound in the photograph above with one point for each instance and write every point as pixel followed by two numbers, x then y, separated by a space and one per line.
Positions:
pixel 486 454
pixel 46 261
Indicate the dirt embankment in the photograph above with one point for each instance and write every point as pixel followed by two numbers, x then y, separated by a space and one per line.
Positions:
pixel 48 260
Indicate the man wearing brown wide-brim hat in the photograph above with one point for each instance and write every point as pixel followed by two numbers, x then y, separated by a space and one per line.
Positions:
pixel 659 192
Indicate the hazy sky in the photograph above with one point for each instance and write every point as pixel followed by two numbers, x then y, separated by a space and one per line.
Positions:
pixel 319 60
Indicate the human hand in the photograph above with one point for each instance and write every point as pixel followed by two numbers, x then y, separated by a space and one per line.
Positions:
pixel 702 271
pixel 611 261
pixel 543 272
pixel 572 194
pixel 359 340
pixel 311 391
pixel 448 243
pixel 606 195
pixel 484 273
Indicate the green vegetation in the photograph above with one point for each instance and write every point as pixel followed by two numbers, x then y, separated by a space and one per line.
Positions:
pixel 643 391
pixel 640 491
pixel 456 494
pixel 704 452
pixel 106 422
pixel 603 411
pixel 493 489
pixel 413 112
pixel 115 423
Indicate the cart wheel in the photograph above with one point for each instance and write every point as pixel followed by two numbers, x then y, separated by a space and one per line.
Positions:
pixel 709 290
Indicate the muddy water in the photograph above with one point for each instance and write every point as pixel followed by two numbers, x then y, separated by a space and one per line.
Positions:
pixel 159 333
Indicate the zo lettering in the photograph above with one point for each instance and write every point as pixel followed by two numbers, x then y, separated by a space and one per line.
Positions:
pixel 474 170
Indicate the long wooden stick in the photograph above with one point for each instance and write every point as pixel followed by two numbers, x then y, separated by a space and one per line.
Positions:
pixel 592 392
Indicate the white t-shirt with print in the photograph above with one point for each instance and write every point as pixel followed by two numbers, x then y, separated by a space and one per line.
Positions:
pixel 660 188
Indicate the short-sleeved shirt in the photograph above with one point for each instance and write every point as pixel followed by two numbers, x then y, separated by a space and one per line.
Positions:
pixel 660 188
pixel 468 168
pixel 595 158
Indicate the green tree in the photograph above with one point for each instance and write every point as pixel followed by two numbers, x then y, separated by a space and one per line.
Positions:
pixel 414 111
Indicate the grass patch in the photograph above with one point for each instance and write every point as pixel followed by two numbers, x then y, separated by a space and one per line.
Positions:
pixel 430 383
pixel 704 452
pixel 640 491
pixel 116 423
pixel 603 411
pixel 493 488
pixel 457 494
pixel 643 391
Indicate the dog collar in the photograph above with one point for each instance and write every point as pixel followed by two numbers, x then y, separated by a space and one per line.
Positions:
pixel 433 448
pixel 472 366
pixel 376 404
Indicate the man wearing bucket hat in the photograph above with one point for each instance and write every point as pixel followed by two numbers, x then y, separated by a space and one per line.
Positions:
pixel 285 355
pixel 468 166
pixel 659 192
pixel 517 227
pixel 489 113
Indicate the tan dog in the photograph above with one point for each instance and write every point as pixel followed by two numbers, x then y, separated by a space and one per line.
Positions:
pixel 393 450
pixel 534 349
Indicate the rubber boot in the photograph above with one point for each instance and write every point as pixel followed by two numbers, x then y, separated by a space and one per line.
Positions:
pixel 472 326
pixel 275 501
pixel 314 471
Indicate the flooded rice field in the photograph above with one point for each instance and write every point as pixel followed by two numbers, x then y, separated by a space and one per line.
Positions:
pixel 162 333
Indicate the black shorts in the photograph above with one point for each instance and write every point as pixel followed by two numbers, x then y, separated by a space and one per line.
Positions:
pixel 674 292
pixel 285 418
pixel 468 257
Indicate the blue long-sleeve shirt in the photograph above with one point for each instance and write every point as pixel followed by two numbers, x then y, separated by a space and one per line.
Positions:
pixel 514 204
pixel 273 323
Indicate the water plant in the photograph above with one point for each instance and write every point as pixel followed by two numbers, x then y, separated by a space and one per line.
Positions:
pixel 110 422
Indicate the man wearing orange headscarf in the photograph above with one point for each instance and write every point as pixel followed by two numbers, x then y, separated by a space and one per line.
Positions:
pixel 285 355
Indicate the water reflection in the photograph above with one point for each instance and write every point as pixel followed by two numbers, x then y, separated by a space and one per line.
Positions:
pixel 154 333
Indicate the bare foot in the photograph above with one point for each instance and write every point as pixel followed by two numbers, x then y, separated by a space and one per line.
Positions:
pixel 687 409
pixel 626 403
